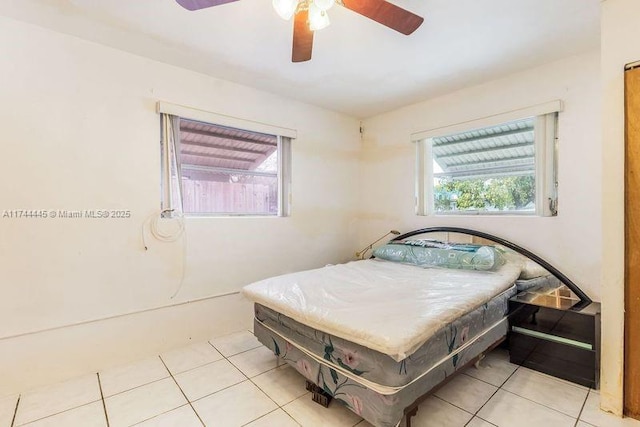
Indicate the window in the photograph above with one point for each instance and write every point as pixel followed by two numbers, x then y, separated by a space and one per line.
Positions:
pixel 222 170
pixel 508 167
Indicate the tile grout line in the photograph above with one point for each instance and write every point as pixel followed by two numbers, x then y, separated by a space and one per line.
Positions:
pixel 243 352
pixel 222 389
pixel 582 407
pixel 235 354
pixel 546 406
pixel 234 366
pixel 265 393
pixel 256 385
pixel 196 367
pixel 510 375
pixel 181 391
pixel 281 407
pixel 556 379
pixel 261 416
pixel 290 416
pixel 104 404
pixel 187 370
pixel 284 404
pixel 495 392
pixel 247 379
pixel 480 418
pixel 542 404
pixel 487 382
pixel 435 396
pixel 59 412
pixel 15 411
pixel 539 404
pixel 156 416
pixel 474 417
pixel 137 387
pixel 453 404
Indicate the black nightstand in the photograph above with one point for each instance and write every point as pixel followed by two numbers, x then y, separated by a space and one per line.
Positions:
pixel 552 332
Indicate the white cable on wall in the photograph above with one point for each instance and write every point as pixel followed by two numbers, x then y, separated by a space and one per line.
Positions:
pixel 157 233
pixel 170 236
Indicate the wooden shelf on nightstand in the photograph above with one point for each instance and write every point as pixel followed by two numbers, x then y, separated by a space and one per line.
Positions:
pixel 551 332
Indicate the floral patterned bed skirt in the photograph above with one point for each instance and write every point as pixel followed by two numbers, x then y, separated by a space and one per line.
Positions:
pixel 378 408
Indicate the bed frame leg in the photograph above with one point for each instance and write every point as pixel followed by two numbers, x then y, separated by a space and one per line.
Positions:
pixel 477 363
pixel 319 395
pixel 410 414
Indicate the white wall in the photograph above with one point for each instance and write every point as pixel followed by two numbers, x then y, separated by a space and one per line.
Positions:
pixel 620 32
pixel 571 241
pixel 80 132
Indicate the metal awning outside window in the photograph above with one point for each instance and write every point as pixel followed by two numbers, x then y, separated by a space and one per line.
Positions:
pixel 502 150
pixel 211 152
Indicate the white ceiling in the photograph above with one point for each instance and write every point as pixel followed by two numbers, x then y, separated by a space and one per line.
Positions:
pixel 359 67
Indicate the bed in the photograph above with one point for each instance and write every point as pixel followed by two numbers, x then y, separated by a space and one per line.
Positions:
pixel 379 334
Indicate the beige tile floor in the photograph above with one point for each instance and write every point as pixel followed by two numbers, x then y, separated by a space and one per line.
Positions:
pixel 234 381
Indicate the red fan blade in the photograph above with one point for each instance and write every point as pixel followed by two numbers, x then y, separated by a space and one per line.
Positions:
pixel 386 14
pixel 302 38
pixel 201 4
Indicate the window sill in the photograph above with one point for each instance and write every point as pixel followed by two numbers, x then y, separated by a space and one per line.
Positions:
pixel 486 214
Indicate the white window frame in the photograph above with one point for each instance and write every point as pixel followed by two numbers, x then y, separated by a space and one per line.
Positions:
pixel 546 159
pixel 284 138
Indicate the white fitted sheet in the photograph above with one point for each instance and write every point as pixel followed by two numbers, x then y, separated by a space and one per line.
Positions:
pixel 389 307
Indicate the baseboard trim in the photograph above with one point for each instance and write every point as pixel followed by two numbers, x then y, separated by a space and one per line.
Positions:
pixel 115 316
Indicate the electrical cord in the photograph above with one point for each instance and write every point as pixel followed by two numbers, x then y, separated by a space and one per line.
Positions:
pixel 157 233
pixel 167 237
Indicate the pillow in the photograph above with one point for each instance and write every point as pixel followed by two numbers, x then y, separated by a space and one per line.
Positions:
pixel 532 269
pixel 439 244
pixel 433 253
pixel 529 269
pixel 548 281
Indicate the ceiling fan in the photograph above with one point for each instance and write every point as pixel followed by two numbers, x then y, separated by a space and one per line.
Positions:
pixel 311 15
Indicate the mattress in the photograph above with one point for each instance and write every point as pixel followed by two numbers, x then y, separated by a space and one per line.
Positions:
pixel 384 306
pixel 378 367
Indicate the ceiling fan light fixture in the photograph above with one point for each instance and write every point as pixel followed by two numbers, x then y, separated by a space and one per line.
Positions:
pixel 324 4
pixel 318 18
pixel 311 15
pixel 285 8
